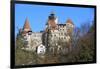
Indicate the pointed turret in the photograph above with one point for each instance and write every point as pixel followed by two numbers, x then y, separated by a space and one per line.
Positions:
pixel 69 21
pixel 26 26
pixel 69 26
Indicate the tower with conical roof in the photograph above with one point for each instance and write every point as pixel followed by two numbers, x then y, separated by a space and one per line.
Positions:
pixel 69 21
pixel 26 27
pixel 69 26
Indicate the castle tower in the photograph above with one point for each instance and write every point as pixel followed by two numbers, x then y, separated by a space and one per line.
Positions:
pixel 69 21
pixel 26 28
pixel 52 21
pixel 53 17
pixel 69 26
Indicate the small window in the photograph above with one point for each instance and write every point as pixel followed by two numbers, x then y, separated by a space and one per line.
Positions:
pixel 25 38
pixel 26 42
pixel 62 38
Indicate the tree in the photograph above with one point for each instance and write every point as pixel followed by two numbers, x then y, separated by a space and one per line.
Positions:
pixel 84 47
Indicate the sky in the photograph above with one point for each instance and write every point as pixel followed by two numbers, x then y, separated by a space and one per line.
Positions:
pixel 38 15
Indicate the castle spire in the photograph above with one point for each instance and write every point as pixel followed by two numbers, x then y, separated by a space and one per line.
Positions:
pixel 26 26
pixel 70 21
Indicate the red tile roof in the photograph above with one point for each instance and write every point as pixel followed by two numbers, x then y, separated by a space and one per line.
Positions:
pixel 69 21
pixel 26 25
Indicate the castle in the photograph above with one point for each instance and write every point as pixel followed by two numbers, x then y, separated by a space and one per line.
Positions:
pixel 55 38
